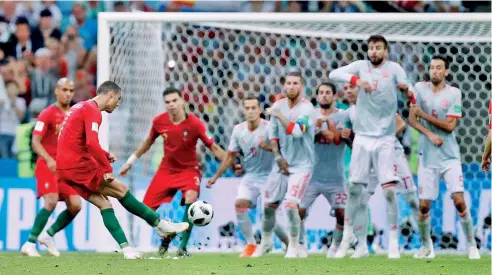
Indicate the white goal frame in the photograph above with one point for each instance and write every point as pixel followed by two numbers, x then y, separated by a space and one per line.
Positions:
pixel 244 20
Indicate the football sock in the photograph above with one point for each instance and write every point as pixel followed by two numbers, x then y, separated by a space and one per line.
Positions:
pixel 302 233
pixel 130 203
pixel 389 192
pixel 413 202
pixel 64 219
pixel 424 228
pixel 467 225
pixel 113 226
pixel 280 232
pixel 245 225
pixel 268 221
pixel 187 233
pixel 292 212
pixel 39 223
pixel 338 235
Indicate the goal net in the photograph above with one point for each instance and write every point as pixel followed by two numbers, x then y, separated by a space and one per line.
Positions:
pixel 216 59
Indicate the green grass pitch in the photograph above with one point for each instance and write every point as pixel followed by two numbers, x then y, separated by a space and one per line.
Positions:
pixel 228 264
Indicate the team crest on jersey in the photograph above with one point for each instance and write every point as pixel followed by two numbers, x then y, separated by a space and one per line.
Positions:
pixel 185 133
pixel 445 104
pixel 385 74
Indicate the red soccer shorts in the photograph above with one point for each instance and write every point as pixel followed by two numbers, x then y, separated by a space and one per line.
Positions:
pixel 48 182
pixel 164 186
pixel 84 180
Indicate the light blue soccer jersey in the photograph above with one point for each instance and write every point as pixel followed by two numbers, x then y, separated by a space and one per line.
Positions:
pixel 376 109
pixel 329 167
pixel 297 151
pixel 446 103
pixel 257 162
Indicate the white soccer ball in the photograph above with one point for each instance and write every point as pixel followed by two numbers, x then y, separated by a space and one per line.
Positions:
pixel 200 213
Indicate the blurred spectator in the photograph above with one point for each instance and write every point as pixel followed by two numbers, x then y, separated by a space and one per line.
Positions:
pixel 55 13
pixel 13 10
pixel 72 49
pixel 258 6
pixel 93 8
pixel 59 63
pixel 84 89
pixel 10 118
pixel 24 42
pixel 140 6
pixel 4 30
pixel 120 6
pixel 43 81
pixel 46 25
pixel 87 27
pixel 343 6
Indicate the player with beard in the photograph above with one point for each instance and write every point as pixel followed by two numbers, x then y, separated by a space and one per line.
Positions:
pixel 435 116
pixel 328 174
pixel 379 81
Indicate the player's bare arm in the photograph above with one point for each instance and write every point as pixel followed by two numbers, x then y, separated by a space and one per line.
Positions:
pixel 281 162
pixel 413 121
pixel 224 165
pixel 486 153
pixel 218 152
pixel 448 124
pixel 400 124
pixel 39 149
pixel 142 148
pixel 265 146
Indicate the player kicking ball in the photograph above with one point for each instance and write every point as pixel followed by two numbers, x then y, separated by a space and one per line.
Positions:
pixel 179 169
pixel 373 147
pixel 328 174
pixel 249 137
pixel 293 128
pixel 83 164
pixel 435 116
pixel 48 185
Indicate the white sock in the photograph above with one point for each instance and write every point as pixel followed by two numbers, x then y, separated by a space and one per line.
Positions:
pixel 391 206
pixel 467 225
pixel 245 225
pixel 424 228
pixel 353 203
pixel 268 221
pixel 338 235
pixel 302 233
pixel 292 212
pixel 413 202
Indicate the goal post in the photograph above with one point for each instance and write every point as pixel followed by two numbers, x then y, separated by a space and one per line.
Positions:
pixel 216 58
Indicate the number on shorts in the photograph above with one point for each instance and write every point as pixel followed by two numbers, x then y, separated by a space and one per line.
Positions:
pixel 340 198
pixel 294 190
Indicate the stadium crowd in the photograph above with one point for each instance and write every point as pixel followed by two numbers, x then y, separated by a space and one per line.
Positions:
pixel 42 41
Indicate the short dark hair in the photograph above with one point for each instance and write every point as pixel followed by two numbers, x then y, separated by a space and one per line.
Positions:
pixel 444 58
pixel 377 38
pixel 45 13
pixel 296 74
pixel 329 84
pixel 171 90
pixel 21 21
pixel 108 86
pixel 251 97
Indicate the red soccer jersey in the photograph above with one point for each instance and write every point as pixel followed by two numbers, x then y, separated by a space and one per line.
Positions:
pixel 179 141
pixel 48 126
pixel 78 143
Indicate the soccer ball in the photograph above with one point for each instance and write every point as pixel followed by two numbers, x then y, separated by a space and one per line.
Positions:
pixel 200 213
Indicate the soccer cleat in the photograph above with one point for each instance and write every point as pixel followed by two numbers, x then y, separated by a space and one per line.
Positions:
pixel 473 253
pixel 360 252
pixel 29 249
pixel 264 247
pixel 165 228
pixel 302 251
pixel 248 251
pixel 332 250
pixel 425 252
pixel 131 254
pixel 183 253
pixel 165 244
pixel 49 242
pixel 393 252
pixel 292 252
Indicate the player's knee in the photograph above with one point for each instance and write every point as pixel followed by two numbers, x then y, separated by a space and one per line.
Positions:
pixel 104 205
pixel 354 189
pixel 424 207
pixel 302 213
pixel 459 202
pixel 74 206
pixel 271 205
pixel 50 201
pixel 340 215
pixel 389 192
pixel 191 196
pixel 242 205
pixel 291 205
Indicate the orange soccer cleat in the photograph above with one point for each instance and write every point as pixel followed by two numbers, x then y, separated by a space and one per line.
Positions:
pixel 248 251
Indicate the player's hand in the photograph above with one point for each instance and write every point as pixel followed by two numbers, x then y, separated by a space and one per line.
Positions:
pixel 486 164
pixel 283 165
pixel 211 181
pixel 435 139
pixel 112 158
pixel 364 84
pixel 109 177
pixel 346 133
pixel 124 169
pixel 263 145
pixel 402 86
pixel 416 110
pixel 51 165
pixel 328 135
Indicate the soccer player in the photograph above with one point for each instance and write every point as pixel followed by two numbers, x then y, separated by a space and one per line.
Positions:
pixel 328 174
pixel 49 186
pixel 373 147
pixel 435 116
pixel 82 163
pixel 250 138
pixel 293 126
pixel 179 169
pixel 486 150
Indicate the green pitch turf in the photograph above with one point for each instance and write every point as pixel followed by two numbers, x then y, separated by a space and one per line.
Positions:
pixel 228 264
